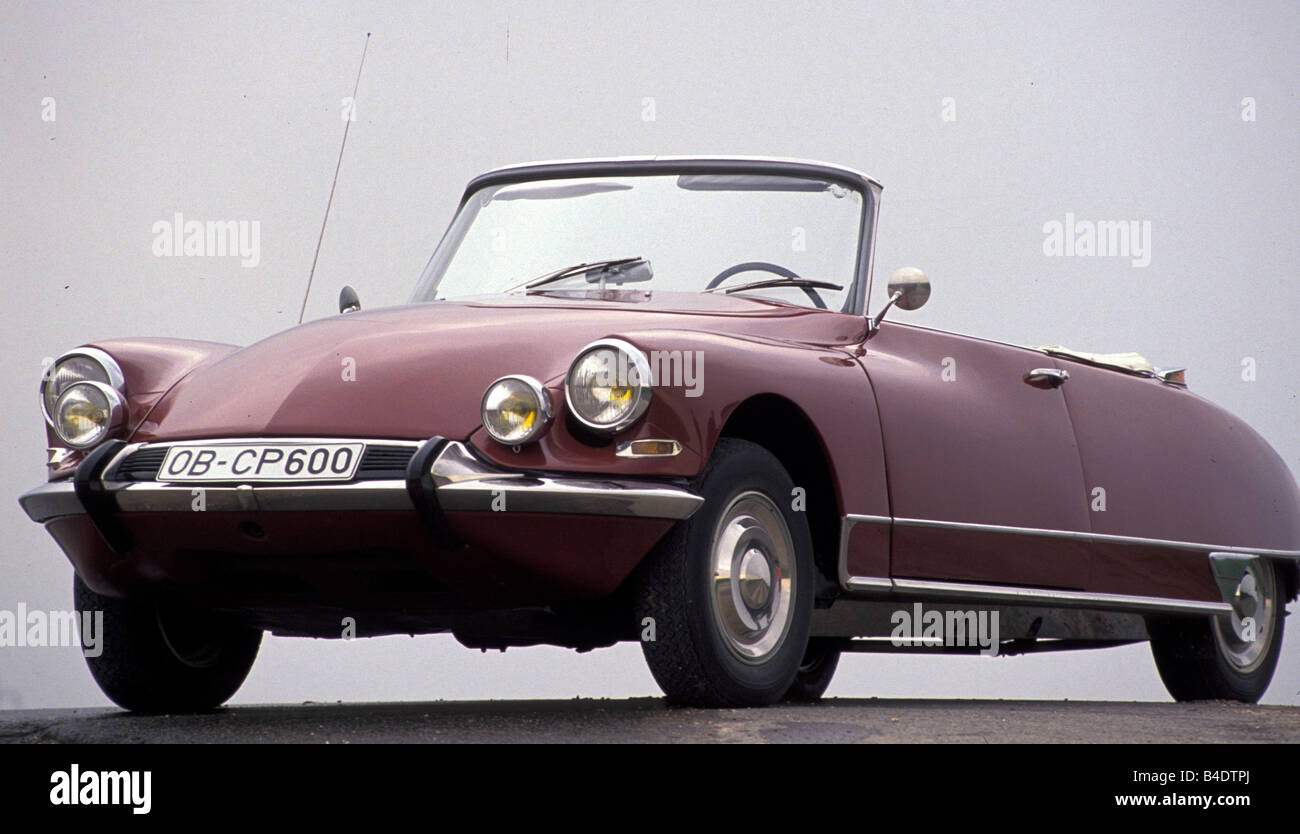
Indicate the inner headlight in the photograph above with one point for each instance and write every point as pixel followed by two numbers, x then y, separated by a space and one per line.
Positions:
pixel 609 386
pixel 80 365
pixel 515 410
pixel 86 413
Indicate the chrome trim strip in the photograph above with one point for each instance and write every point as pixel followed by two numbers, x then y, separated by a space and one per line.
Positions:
pixel 859 583
pixel 862 304
pixel 1104 538
pixel 1010 593
pixel 1079 599
pixel 464 483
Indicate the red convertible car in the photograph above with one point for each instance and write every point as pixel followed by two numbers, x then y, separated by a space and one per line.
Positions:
pixel 643 399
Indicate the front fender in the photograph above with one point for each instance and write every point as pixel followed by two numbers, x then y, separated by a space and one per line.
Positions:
pixel 151 367
pixel 726 370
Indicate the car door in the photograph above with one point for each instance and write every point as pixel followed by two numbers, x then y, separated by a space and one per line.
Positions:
pixel 983 469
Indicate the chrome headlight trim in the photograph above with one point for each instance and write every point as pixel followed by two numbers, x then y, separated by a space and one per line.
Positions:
pixel 644 391
pixel 116 379
pixel 545 413
pixel 116 413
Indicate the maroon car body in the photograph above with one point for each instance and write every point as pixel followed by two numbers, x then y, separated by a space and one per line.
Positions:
pixel 937 468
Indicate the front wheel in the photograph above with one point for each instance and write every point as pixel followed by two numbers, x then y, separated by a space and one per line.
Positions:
pixel 730 590
pixel 1230 657
pixel 154 659
pixel 815 671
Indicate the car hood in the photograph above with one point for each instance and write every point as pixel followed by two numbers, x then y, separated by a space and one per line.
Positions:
pixel 419 370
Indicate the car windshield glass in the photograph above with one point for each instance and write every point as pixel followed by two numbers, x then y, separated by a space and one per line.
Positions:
pixel 691 228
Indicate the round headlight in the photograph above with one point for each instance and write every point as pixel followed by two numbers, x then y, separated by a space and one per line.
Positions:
pixel 515 410
pixel 86 413
pixel 609 386
pixel 80 365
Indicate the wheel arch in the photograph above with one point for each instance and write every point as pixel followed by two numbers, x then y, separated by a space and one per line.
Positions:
pixel 782 428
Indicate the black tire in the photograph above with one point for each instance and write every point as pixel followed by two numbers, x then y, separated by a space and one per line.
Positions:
pixel 162 660
pixel 1193 655
pixel 690 658
pixel 815 671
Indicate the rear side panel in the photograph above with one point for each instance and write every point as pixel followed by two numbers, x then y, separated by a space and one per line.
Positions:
pixel 1173 466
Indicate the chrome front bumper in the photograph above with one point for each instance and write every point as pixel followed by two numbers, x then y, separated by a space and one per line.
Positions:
pixel 456 481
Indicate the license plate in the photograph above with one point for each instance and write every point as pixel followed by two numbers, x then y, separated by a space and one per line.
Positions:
pixel 260 462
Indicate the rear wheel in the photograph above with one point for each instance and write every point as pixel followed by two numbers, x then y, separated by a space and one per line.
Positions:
pixel 1229 657
pixel 156 659
pixel 730 591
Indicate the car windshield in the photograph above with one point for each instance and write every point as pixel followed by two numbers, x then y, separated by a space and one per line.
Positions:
pixel 691 228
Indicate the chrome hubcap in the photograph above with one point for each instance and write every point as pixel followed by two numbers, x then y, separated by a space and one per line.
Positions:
pixel 753 577
pixel 1246 634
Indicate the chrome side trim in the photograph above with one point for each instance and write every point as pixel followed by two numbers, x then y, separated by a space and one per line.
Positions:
pixel 860 583
pixel 1079 599
pixel 1226 563
pixel 1103 538
pixel 466 484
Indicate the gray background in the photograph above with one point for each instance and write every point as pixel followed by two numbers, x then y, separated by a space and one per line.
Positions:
pixel 232 111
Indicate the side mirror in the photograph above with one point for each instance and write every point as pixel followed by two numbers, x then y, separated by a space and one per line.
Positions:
pixel 909 289
pixel 913 285
pixel 348 301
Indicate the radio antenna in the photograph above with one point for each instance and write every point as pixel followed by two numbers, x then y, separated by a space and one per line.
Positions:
pixel 338 165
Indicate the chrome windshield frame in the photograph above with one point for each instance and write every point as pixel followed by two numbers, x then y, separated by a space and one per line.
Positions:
pixel 860 290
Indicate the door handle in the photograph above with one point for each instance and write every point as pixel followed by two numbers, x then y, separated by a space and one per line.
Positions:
pixel 1053 376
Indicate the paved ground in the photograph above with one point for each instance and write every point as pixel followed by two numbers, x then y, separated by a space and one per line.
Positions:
pixel 649 720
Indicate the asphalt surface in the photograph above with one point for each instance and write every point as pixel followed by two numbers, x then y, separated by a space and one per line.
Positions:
pixel 649 720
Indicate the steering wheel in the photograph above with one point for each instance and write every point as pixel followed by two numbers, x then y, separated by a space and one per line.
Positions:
pixel 765 266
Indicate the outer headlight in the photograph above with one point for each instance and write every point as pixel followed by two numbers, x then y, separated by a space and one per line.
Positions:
pixel 80 365
pixel 515 410
pixel 88 412
pixel 609 386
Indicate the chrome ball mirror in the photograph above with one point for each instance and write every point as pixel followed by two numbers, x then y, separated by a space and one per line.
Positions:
pixel 913 286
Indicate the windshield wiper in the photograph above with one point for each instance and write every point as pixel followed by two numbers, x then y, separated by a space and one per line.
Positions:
pixel 615 270
pixel 779 282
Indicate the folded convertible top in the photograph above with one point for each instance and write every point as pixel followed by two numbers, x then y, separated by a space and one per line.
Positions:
pixel 1131 362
